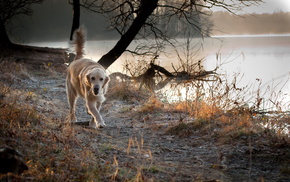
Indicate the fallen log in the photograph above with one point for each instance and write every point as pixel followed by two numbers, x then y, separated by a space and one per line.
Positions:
pixel 149 77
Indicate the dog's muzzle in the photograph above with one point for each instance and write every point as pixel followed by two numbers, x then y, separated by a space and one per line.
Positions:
pixel 96 90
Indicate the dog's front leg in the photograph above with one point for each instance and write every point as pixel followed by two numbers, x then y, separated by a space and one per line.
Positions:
pixel 98 105
pixel 97 120
pixel 71 95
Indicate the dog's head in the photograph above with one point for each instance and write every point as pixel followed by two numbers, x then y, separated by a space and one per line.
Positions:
pixel 97 80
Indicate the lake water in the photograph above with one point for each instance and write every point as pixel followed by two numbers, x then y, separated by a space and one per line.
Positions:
pixel 255 59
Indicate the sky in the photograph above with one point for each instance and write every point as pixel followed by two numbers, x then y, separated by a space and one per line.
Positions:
pixel 269 6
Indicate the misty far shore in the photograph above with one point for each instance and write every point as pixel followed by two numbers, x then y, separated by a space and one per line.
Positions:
pixel 37 29
pixel 251 24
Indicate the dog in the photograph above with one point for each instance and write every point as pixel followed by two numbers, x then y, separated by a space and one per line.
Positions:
pixel 87 79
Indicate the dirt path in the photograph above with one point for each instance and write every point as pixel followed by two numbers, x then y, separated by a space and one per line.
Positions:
pixel 137 143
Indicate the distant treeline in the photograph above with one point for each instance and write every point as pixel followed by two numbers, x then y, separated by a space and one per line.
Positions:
pixel 52 21
pixel 228 24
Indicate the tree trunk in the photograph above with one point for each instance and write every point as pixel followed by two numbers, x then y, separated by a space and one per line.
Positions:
pixel 146 10
pixel 76 17
pixel 4 39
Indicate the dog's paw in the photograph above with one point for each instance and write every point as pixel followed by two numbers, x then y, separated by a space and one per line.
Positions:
pixel 94 125
pixel 74 121
pixel 102 125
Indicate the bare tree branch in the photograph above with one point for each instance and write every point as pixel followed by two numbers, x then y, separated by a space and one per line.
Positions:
pixel 166 20
pixel 12 8
pixel 8 10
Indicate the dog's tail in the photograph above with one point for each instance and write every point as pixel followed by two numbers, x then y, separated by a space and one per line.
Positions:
pixel 79 42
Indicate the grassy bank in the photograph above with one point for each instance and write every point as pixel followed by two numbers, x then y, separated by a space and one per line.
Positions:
pixel 33 121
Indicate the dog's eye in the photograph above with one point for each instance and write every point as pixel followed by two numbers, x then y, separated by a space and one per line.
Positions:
pixel 101 79
pixel 93 78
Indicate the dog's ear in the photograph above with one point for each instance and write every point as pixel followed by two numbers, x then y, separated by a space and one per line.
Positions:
pixel 87 80
pixel 107 79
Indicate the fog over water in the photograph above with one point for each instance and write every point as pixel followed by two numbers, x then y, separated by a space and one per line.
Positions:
pixel 264 59
pixel 52 21
pixel 254 59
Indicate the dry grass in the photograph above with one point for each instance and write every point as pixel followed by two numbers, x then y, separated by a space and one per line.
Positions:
pixel 54 152
pixel 51 149
pixel 11 72
pixel 141 161
pixel 153 104
pixel 187 129
pixel 14 115
pixel 229 119
pixel 216 108
pixel 126 90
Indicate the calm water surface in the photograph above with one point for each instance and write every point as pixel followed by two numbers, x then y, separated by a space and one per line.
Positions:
pixel 263 58
pixel 258 59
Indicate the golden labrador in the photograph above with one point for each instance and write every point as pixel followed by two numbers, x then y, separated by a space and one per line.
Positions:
pixel 86 79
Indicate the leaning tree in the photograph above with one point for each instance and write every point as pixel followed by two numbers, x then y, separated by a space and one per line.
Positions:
pixel 151 19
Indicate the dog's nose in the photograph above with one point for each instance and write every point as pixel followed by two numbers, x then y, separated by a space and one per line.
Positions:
pixel 96 89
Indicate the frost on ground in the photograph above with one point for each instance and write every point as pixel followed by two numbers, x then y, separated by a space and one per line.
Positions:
pixel 142 140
